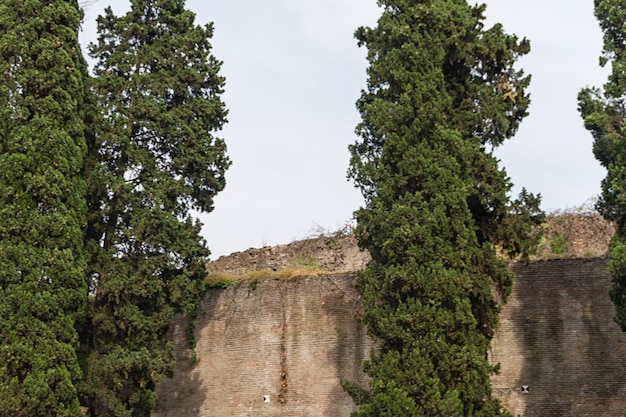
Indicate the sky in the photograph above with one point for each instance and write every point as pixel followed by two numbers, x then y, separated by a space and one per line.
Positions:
pixel 293 73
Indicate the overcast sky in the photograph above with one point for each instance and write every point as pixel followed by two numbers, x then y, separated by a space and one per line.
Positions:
pixel 293 73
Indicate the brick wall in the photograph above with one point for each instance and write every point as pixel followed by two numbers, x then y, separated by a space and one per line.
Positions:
pixel 280 348
pixel 270 348
pixel 557 337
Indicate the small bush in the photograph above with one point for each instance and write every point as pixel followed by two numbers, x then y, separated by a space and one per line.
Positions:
pixel 559 245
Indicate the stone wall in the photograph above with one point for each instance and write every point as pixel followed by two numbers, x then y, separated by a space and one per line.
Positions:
pixel 280 348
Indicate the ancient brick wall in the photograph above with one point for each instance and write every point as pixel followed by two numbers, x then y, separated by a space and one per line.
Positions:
pixel 280 348
pixel 558 338
pixel 270 348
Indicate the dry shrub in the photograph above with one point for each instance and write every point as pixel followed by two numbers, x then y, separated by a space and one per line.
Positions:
pixel 322 252
pixel 576 233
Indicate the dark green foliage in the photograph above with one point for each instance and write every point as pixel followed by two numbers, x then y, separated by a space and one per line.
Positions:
pixel 42 207
pixel 152 160
pixel 604 113
pixel 101 185
pixel 219 284
pixel 442 92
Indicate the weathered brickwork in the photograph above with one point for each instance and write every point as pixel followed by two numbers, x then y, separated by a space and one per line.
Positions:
pixel 558 338
pixel 270 348
pixel 280 348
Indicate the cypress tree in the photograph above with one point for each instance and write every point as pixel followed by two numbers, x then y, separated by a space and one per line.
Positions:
pixel 604 113
pixel 152 160
pixel 442 92
pixel 42 206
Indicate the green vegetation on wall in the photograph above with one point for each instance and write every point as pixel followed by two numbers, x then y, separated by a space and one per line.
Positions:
pixel 442 91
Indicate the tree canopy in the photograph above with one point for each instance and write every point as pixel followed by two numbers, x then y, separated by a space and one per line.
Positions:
pixel 152 160
pixel 442 92
pixel 100 178
pixel 604 112
pixel 42 206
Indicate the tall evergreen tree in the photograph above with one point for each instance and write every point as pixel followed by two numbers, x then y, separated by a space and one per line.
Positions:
pixel 42 206
pixel 442 92
pixel 604 113
pixel 153 159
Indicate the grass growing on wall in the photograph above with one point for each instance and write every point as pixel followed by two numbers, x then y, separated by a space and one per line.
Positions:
pixel 300 266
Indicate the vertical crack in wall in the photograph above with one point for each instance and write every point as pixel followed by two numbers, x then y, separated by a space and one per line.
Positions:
pixel 282 393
